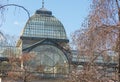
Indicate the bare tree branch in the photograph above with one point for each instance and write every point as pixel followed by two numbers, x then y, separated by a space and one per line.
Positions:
pixel 3 6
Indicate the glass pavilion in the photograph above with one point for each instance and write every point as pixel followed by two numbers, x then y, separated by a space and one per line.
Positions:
pixel 45 36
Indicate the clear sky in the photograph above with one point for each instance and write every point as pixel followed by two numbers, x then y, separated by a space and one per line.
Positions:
pixel 70 12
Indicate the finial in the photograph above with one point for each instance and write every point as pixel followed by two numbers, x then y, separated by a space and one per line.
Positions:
pixel 42 3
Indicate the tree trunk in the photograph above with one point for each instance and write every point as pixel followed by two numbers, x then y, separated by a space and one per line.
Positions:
pixel 0 79
pixel 119 48
pixel 119 58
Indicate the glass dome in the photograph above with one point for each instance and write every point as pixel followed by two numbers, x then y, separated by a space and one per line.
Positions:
pixel 44 25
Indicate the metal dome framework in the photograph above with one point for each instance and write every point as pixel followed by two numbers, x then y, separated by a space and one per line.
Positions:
pixel 44 25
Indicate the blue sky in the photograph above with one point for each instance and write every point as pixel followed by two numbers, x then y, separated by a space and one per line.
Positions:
pixel 70 12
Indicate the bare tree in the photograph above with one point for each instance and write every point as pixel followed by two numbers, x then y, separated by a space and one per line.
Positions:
pixel 100 34
pixel 18 73
pixel 15 71
pixel 4 5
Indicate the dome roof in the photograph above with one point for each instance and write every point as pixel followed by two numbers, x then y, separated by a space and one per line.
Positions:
pixel 44 25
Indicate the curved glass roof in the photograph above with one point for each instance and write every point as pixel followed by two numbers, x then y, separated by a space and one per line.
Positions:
pixel 44 25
